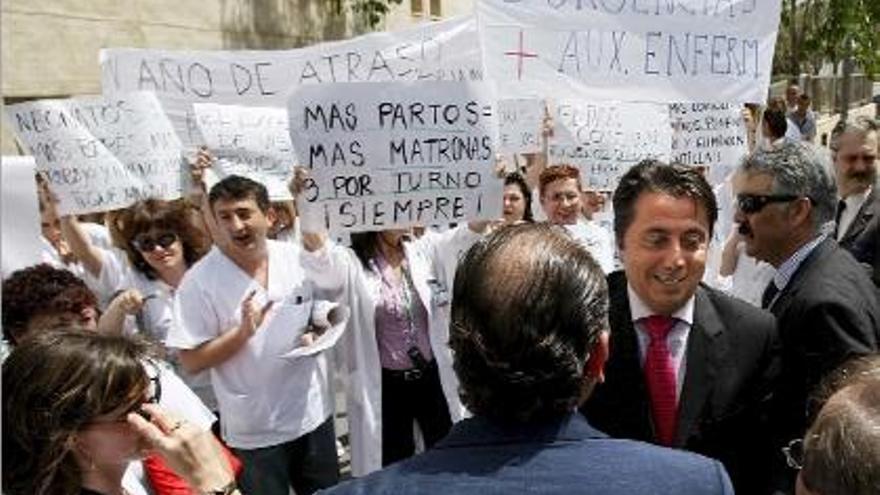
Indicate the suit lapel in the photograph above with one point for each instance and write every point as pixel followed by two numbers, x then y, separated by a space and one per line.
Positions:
pixel 703 356
pixel 625 366
pixel 794 284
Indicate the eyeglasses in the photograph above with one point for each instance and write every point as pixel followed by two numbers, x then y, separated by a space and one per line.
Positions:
pixel 753 203
pixel 794 454
pixel 147 243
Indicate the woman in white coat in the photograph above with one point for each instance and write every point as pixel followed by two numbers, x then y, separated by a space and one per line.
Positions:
pixel 398 363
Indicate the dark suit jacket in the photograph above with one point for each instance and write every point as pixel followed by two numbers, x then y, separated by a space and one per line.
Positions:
pixel 826 314
pixel 562 456
pixel 862 237
pixel 732 365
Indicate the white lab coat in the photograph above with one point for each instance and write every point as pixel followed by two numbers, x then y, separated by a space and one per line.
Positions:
pixel 432 257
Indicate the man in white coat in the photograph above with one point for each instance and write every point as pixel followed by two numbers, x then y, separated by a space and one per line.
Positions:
pixel 241 311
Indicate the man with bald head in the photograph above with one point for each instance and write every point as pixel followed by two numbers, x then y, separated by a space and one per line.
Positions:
pixel 529 337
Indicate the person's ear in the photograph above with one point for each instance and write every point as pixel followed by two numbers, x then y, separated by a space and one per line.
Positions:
pixel 595 367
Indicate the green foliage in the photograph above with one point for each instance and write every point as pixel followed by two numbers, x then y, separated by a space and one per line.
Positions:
pixel 814 32
pixel 373 11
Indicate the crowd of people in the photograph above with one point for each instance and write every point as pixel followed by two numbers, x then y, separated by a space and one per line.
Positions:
pixel 198 345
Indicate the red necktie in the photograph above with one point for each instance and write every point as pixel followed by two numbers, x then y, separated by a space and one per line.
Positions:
pixel 660 378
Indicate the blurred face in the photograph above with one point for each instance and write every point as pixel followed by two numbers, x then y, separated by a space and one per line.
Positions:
pixel 664 250
pixel 161 249
pixel 561 201
pixel 856 162
pixel 514 203
pixel 50 227
pixel 243 228
pixel 592 202
pixel 109 440
pixel 791 95
pixel 765 231
pixel 393 238
pixel 87 318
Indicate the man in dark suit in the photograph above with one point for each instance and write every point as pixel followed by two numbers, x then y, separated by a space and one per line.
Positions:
pixel 855 144
pixel 825 304
pixel 528 333
pixel 703 380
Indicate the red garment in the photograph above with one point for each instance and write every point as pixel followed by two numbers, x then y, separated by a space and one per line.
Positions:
pixel 165 482
pixel 660 378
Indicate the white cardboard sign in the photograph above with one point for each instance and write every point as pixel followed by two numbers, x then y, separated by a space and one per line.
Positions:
pixel 437 51
pixel 604 139
pixel 98 153
pixel 20 214
pixel 253 142
pixel 658 51
pixel 398 154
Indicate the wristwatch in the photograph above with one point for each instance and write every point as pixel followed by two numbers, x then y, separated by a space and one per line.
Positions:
pixel 230 488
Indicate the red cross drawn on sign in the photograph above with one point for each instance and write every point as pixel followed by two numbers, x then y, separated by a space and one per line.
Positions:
pixel 520 53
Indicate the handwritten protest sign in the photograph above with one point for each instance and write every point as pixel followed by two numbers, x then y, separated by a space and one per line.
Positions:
pixel 708 135
pixel 604 139
pixel 253 142
pixel 519 125
pixel 659 51
pixel 397 154
pixel 445 50
pixel 20 214
pixel 101 153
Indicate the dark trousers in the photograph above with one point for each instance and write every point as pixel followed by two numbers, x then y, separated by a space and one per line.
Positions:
pixel 306 464
pixel 405 399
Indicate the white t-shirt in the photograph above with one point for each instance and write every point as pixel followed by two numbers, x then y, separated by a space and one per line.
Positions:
pixel 596 240
pixel 265 398
pixel 156 317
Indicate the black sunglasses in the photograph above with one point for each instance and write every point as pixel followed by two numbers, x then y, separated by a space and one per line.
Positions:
pixel 147 243
pixel 753 203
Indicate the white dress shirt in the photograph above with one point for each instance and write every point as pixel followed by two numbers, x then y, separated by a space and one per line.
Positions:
pixel 676 341
pixel 854 203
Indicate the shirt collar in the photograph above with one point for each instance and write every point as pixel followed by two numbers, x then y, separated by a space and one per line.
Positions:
pixel 786 269
pixel 639 309
pixel 855 201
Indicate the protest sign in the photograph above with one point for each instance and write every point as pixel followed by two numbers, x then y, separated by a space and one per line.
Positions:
pixel 99 154
pixel 397 154
pixel 21 245
pixel 710 135
pixel 253 142
pixel 604 139
pixel 444 50
pixel 520 122
pixel 658 51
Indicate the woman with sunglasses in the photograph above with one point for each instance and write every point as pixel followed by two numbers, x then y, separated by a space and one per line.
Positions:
pixel 67 400
pixel 160 241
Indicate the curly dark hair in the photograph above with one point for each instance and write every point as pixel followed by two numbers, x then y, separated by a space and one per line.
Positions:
pixel 55 382
pixel 41 289
pixel 156 214
pixel 529 304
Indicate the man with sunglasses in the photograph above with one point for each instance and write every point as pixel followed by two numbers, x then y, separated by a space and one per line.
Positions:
pixel 854 146
pixel 825 304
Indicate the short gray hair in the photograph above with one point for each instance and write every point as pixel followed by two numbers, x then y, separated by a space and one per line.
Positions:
pixel 859 124
pixel 798 169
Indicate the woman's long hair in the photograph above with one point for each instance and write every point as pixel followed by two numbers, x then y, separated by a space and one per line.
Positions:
pixel 54 383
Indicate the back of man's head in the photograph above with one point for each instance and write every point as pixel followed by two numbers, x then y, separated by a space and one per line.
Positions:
pixel 529 306
pixel 842 447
